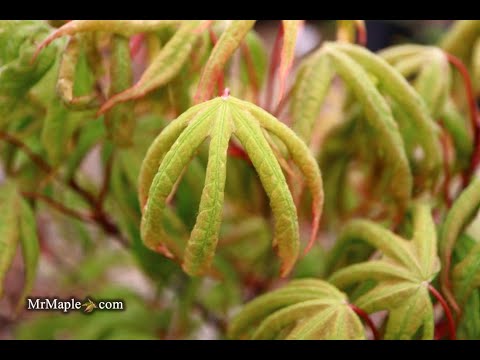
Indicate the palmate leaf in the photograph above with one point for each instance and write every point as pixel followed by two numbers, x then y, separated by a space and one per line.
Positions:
pixel 380 92
pixel 402 274
pixel 176 145
pixel 312 85
pixel 380 119
pixel 303 309
pixel 399 89
pixel 430 69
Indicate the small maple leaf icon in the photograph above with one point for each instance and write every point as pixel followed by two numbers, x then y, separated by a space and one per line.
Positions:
pixel 89 306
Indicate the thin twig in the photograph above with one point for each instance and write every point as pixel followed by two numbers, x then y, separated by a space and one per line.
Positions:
pixel 106 182
pixel 42 164
pixel 58 206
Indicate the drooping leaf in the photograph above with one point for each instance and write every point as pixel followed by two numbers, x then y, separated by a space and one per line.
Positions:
pixel 291 30
pixel 309 92
pixel 67 75
pixel 286 224
pixel 185 135
pixel 224 48
pixel 380 118
pixel 302 158
pixel 170 168
pixel 399 89
pixel 164 67
pixel 160 146
pixel 203 240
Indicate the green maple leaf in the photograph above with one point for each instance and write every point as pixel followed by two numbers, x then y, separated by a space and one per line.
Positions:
pixel 303 309
pixel 403 273
pixel 220 119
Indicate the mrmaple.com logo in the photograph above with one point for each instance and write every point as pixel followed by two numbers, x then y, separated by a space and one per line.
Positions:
pixel 66 305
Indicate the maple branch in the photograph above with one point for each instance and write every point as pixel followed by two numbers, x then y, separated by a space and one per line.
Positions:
pixel 36 159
